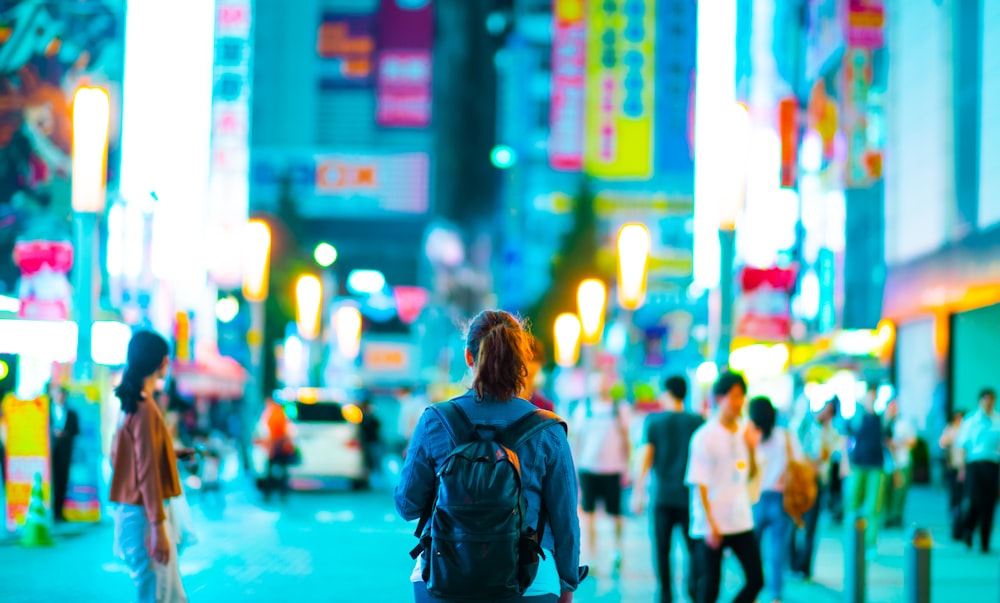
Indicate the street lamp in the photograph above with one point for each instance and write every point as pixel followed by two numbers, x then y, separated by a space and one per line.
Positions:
pixel 730 207
pixel 567 336
pixel 91 121
pixel 256 268
pixel 308 305
pixel 591 299
pixel 347 324
pixel 633 260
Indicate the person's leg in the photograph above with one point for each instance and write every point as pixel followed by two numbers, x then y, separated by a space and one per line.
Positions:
pixel 973 498
pixel 131 546
pixel 747 552
pixel 991 478
pixel 682 519
pixel 781 526
pixel 888 496
pixel 855 495
pixel 662 533
pixel 613 507
pixel 710 572
pixel 770 543
pixel 901 492
pixel 588 504
pixel 804 557
pixel 60 483
pixel 874 506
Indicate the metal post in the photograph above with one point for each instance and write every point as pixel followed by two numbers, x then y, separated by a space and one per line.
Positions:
pixel 254 400
pixel 85 224
pixel 727 261
pixel 855 580
pixel 628 373
pixel 917 572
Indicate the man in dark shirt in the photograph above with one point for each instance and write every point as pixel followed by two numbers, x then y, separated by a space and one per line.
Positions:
pixel 667 441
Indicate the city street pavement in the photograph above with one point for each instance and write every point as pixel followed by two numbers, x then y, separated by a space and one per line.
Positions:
pixel 348 547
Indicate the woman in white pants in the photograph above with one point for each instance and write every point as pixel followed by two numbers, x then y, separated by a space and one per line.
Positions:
pixel 145 476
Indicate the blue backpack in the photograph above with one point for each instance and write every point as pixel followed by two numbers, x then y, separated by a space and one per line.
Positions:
pixel 475 540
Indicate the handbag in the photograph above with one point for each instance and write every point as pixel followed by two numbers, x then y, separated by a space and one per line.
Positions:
pixel 179 512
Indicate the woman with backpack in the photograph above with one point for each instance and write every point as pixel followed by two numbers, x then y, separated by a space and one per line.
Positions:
pixel 778 451
pixel 489 476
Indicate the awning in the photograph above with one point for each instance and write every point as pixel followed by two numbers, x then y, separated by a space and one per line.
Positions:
pixel 218 377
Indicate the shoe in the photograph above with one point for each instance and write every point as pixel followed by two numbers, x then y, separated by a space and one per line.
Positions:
pixel 616 563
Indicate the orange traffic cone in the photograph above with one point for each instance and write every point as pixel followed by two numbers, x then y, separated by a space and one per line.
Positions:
pixel 36 524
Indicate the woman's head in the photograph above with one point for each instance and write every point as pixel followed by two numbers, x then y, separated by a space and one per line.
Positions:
pixel 763 415
pixel 498 348
pixel 148 356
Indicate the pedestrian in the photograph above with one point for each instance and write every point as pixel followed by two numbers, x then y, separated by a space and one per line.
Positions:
pixel 820 440
pixel 901 436
pixel 666 442
pixel 601 447
pixel 535 363
pixel 953 462
pixel 276 432
pixel 497 351
pixel 64 427
pixel 721 465
pixel 867 458
pixel 777 448
pixel 145 476
pixel 979 438
pixel 371 437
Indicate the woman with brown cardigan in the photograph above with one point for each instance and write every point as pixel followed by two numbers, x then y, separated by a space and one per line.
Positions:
pixel 145 476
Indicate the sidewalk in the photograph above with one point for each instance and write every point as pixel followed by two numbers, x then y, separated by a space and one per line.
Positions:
pixel 956 574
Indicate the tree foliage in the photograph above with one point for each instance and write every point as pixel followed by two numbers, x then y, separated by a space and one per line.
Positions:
pixel 289 259
pixel 576 260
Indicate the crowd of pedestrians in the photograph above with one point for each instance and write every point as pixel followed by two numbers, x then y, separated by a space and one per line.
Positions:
pixel 739 477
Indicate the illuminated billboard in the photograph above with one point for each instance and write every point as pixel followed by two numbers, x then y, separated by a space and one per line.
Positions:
pixel 620 82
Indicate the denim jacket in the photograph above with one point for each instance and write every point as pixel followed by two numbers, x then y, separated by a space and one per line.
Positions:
pixel 546 470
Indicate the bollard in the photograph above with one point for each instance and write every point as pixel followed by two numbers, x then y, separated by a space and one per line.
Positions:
pixel 855 580
pixel 917 572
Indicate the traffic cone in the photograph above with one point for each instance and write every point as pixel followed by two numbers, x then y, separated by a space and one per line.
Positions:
pixel 36 524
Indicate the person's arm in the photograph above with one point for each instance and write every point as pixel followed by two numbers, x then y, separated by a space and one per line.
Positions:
pixel 417 480
pixel 146 467
pixel 72 424
pixel 559 496
pixel 698 475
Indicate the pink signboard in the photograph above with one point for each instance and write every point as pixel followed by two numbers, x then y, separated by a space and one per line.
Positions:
pixel 569 65
pixel 865 24
pixel 404 66
pixel 404 88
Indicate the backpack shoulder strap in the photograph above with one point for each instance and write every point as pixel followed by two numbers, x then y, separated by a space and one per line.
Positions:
pixel 528 426
pixel 456 421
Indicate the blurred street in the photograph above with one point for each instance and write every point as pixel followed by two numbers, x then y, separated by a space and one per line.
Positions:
pixel 346 547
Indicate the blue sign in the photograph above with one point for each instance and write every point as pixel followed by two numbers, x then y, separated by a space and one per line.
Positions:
pixel 676 61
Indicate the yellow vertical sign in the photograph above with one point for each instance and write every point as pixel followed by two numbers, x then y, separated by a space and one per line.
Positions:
pixel 621 73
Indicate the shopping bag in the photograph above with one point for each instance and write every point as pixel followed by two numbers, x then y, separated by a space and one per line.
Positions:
pixel 183 526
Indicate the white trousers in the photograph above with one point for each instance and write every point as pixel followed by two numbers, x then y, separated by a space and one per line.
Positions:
pixel 155 583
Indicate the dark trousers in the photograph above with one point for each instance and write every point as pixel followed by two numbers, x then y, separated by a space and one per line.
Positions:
pixel 62 456
pixel 277 478
pixel 982 480
pixel 744 546
pixel 803 549
pixel 665 519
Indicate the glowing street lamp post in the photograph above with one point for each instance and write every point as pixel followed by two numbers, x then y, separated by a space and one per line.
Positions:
pixel 91 120
pixel 567 331
pixel 633 262
pixel 256 271
pixel 730 207
pixel 591 299
pixel 308 315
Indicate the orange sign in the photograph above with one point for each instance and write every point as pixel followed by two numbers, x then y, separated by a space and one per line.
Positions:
pixel 385 358
pixel 339 176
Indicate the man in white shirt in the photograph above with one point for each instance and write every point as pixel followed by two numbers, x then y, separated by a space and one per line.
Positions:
pixel 721 465
pixel 979 438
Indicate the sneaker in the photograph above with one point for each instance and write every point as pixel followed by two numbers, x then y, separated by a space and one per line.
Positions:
pixel 616 563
